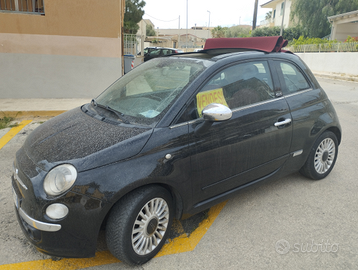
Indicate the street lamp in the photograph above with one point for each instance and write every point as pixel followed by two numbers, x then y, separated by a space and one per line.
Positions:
pixel 209 23
pixel 209 18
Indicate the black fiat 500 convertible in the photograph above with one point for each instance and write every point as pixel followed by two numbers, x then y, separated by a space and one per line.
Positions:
pixel 174 136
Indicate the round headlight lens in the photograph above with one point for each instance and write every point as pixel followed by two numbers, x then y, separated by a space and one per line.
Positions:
pixel 60 179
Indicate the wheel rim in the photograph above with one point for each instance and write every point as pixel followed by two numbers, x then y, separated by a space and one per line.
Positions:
pixel 324 156
pixel 150 226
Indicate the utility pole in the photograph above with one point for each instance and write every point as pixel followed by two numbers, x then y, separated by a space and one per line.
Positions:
pixel 179 45
pixel 283 17
pixel 186 46
pixel 255 15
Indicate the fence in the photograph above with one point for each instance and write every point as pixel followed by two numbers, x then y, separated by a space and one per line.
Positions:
pixel 131 44
pixel 325 47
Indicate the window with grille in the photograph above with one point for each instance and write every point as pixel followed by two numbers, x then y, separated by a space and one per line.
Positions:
pixel 31 6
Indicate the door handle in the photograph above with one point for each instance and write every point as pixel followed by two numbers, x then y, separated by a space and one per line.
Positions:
pixel 284 122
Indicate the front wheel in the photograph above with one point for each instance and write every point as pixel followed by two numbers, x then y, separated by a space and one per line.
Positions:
pixel 138 224
pixel 322 157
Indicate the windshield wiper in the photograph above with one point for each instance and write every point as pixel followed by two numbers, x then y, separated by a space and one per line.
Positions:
pixel 94 102
pixel 119 114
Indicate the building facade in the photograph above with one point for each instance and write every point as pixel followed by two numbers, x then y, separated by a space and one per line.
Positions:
pixel 59 48
pixel 344 25
pixel 280 9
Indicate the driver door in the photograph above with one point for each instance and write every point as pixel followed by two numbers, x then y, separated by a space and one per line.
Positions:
pixel 254 143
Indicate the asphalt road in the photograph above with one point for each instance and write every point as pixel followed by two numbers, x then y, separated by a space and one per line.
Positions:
pixel 290 223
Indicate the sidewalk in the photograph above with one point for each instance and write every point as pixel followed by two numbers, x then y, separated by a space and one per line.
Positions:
pixel 21 108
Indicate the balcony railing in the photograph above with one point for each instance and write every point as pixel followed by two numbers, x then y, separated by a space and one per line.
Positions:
pixel 266 22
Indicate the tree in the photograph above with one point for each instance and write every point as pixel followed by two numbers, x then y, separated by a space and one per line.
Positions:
pixel 149 30
pixel 266 32
pixel 237 31
pixel 312 14
pixel 234 31
pixel 219 32
pixel 268 15
pixel 289 33
pixel 132 15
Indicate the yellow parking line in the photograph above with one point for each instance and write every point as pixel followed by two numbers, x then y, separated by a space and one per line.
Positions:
pixel 103 257
pixel 183 243
pixel 180 244
pixel 12 132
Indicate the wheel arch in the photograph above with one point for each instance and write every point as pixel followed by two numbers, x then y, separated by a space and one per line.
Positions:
pixel 336 132
pixel 177 200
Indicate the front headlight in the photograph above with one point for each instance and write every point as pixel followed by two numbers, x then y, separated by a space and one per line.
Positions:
pixel 60 179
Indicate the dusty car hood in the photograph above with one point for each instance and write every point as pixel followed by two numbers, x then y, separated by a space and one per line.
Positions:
pixel 87 142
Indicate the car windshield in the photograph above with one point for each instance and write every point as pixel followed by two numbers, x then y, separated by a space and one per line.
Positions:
pixel 146 93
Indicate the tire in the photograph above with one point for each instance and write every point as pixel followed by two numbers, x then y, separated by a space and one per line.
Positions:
pixel 322 157
pixel 142 217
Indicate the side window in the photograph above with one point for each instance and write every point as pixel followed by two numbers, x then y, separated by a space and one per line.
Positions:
pixel 294 79
pixel 236 86
pixel 239 85
pixel 166 51
pixel 155 52
pixel 33 6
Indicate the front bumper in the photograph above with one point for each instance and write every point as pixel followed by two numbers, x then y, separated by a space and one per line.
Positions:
pixel 59 244
pixel 39 225
pixel 73 237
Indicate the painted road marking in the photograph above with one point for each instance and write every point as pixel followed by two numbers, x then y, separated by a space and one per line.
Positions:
pixel 12 132
pixel 180 244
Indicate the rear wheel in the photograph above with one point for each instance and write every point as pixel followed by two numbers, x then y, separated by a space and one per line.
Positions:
pixel 138 224
pixel 322 157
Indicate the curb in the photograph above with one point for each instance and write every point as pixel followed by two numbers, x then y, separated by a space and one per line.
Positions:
pixel 337 77
pixel 33 114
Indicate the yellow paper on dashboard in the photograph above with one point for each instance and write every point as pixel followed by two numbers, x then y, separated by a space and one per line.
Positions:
pixel 213 96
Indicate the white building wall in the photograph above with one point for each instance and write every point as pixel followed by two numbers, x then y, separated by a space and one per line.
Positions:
pixel 278 17
pixel 343 64
pixel 196 32
pixel 56 76
pixel 53 66
pixel 342 31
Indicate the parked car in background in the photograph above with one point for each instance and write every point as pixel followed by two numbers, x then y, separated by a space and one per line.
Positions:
pixel 153 52
pixel 174 136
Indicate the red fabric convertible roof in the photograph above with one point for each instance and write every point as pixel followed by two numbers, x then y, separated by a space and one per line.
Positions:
pixel 266 44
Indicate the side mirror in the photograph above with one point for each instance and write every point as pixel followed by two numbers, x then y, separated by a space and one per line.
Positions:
pixel 216 112
pixel 213 112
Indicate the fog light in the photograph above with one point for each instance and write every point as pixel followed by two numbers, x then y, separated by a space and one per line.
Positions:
pixel 57 211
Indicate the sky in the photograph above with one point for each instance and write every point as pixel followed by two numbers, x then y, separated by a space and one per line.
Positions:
pixel 165 14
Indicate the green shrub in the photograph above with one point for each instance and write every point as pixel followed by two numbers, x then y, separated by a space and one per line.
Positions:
pixel 351 39
pixel 6 122
pixel 309 41
pixel 289 33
